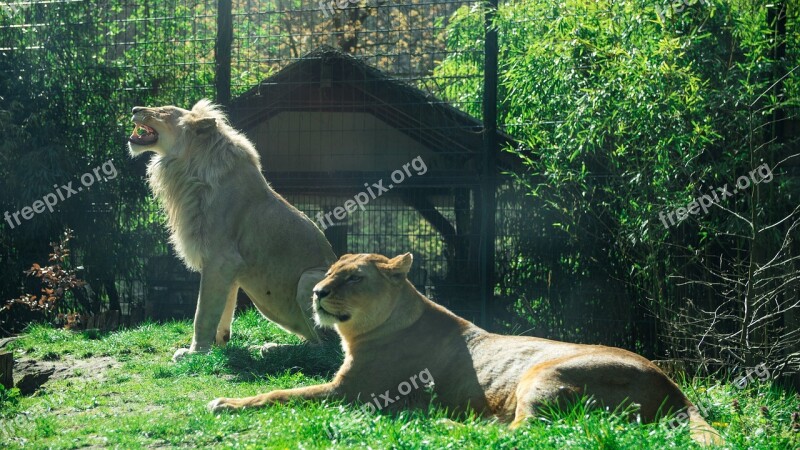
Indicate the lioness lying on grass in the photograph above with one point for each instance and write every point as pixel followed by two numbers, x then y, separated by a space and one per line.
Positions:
pixel 390 333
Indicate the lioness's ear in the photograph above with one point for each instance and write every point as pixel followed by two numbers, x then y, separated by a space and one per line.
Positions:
pixel 397 268
pixel 403 262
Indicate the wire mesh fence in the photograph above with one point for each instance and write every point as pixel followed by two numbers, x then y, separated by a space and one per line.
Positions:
pixel 335 98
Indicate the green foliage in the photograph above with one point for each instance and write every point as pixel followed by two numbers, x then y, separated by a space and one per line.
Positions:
pixel 625 115
pixel 9 398
pixel 64 111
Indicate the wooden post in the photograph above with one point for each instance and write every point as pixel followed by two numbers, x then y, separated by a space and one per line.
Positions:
pixel 7 370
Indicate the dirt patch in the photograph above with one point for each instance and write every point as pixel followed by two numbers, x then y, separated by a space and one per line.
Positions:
pixel 31 374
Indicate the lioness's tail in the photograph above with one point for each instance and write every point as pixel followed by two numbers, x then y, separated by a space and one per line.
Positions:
pixel 701 432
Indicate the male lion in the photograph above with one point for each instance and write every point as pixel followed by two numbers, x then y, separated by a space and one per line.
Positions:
pixel 390 333
pixel 228 224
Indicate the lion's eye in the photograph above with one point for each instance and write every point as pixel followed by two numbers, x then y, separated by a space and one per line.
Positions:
pixel 354 278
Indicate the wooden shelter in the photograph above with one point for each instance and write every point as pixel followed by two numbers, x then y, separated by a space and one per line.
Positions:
pixel 328 127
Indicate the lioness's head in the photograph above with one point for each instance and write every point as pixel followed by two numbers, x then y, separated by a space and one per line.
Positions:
pixel 166 130
pixel 360 291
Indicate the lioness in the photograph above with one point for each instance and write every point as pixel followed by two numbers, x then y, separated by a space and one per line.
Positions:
pixel 228 224
pixel 390 333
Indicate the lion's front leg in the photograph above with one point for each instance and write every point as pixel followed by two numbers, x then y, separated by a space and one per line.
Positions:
pixel 318 392
pixel 216 288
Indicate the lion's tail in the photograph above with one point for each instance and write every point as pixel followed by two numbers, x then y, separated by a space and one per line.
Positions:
pixel 701 432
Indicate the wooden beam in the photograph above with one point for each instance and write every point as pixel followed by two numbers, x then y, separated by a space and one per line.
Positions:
pixel 7 370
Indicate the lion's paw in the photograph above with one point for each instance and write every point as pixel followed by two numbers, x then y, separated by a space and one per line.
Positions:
pixel 181 353
pixel 223 336
pixel 184 352
pixel 266 348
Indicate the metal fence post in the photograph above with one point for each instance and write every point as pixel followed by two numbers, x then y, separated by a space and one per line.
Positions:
pixel 489 166
pixel 222 52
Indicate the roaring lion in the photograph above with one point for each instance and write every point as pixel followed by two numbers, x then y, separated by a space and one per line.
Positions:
pixel 392 334
pixel 228 224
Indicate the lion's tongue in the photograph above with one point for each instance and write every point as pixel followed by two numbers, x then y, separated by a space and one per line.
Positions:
pixel 148 137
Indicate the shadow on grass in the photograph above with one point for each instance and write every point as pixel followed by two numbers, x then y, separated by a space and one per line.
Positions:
pixel 311 360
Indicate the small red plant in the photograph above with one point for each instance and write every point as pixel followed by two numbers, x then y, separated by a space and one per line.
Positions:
pixel 56 280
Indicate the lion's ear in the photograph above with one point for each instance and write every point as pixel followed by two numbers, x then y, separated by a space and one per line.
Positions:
pixel 397 268
pixel 204 125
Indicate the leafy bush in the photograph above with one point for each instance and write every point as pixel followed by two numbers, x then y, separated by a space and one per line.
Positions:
pixel 628 114
pixel 9 398
pixel 56 281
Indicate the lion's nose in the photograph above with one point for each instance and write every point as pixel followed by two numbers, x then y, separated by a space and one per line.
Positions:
pixel 137 109
pixel 321 293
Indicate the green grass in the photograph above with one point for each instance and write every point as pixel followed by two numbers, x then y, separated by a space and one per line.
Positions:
pixel 151 402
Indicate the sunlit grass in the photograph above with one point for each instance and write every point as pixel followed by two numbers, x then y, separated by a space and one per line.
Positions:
pixel 151 402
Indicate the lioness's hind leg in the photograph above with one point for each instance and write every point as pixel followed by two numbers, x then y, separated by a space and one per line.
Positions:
pixel 615 380
pixel 540 389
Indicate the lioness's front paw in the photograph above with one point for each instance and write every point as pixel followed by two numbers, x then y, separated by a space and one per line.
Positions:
pixel 221 404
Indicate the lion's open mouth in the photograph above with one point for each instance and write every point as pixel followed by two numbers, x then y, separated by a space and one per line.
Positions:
pixel 143 135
